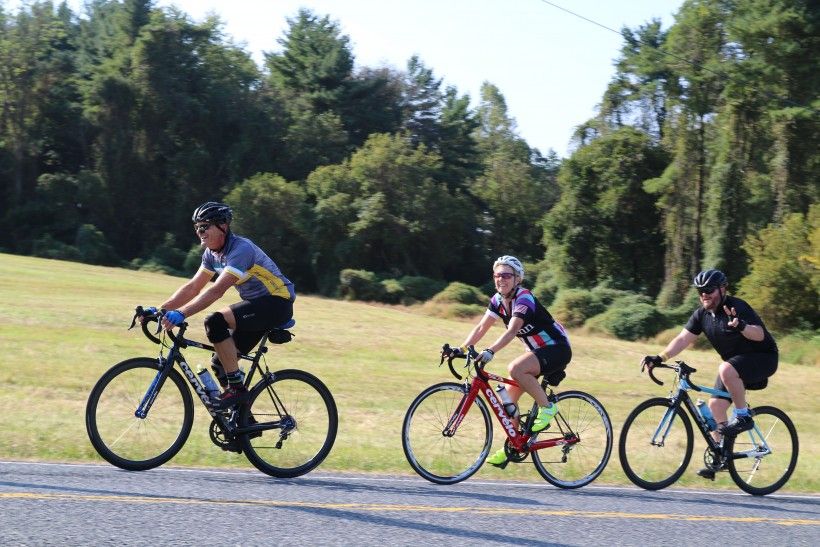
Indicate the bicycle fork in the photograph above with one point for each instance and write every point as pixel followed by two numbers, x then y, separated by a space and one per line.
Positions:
pixel 153 390
pixel 461 410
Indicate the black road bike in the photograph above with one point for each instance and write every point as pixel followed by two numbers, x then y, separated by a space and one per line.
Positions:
pixel 141 411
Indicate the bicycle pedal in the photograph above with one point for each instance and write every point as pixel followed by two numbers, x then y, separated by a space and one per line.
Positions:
pixel 502 465
pixel 232 447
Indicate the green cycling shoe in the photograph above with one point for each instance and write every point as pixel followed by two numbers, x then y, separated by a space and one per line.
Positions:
pixel 544 418
pixel 498 459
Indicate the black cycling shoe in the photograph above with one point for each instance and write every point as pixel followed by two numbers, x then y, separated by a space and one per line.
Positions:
pixel 234 395
pixel 739 424
pixel 709 471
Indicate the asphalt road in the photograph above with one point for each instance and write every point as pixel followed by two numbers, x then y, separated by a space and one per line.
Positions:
pixel 65 504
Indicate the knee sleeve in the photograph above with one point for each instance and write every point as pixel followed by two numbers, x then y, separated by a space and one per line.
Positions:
pixel 216 328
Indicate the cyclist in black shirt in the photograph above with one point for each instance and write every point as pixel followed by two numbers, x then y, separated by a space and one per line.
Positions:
pixel 738 334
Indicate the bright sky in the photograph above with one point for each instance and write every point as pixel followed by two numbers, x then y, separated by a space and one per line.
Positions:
pixel 551 66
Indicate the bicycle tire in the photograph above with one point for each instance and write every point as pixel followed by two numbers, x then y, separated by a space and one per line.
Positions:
pixel 302 397
pixel 648 465
pixel 445 459
pixel 764 473
pixel 580 463
pixel 123 439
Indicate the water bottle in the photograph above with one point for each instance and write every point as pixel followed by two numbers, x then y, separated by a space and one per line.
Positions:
pixel 509 406
pixel 208 383
pixel 703 408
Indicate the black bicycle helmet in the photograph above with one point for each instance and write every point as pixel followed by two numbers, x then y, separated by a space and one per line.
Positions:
pixel 710 278
pixel 213 211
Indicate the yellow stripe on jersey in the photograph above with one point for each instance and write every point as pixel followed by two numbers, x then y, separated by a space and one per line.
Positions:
pixel 274 284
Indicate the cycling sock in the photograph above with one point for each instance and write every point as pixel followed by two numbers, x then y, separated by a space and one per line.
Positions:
pixel 235 377
pixel 742 412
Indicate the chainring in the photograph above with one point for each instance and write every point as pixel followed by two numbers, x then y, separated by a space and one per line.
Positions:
pixel 220 439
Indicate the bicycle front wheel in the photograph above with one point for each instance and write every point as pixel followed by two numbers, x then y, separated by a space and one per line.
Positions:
pixel 439 455
pixel 769 452
pixel 574 465
pixel 122 438
pixel 303 422
pixel 656 444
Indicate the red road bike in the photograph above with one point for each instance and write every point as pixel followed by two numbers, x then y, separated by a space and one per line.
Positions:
pixel 448 431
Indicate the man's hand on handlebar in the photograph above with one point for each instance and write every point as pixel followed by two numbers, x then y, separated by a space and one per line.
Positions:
pixel 172 319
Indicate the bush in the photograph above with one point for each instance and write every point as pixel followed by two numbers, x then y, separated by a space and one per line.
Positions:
pixel 607 295
pixel 663 337
pixel 783 284
pixel 545 288
pixel 630 299
pixel 193 259
pixel 48 247
pixel 420 288
pixel 392 291
pixel 92 246
pixel 449 310
pixel 629 322
pixel 460 293
pixel 572 307
pixel 359 285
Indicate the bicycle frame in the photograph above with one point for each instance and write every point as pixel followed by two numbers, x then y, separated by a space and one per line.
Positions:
pixel 225 420
pixel 681 397
pixel 518 438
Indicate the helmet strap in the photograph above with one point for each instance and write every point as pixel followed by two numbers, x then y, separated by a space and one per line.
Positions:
pixel 510 294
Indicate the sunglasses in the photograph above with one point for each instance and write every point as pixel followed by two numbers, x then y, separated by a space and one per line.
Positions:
pixel 202 228
pixel 709 289
pixel 503 275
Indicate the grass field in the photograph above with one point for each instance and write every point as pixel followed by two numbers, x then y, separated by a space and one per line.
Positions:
pixel 63 324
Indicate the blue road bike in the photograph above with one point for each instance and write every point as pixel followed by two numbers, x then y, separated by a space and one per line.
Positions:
pixel 656 441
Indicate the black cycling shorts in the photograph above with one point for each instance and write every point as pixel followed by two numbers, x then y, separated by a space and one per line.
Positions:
pixel 751 367
pixel 553 358
pixel 255 317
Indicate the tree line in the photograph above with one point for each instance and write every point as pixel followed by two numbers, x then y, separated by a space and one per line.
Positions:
pixel 115 123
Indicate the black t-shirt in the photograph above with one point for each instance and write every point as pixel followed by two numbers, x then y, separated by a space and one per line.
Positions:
pixel 729 342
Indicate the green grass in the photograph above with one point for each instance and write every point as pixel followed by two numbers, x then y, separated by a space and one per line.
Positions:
pixel 63 324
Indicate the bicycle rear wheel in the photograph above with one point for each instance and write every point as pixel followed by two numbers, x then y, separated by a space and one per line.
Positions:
pixel 123 439
pixel 303 419
pixel 441 458
pixel 762 472
pixel 578 464
pixel 655 464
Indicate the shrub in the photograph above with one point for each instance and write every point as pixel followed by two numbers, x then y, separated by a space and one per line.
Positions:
pixel 359 285
pixel 48 247
pixel 783 284
pixel 630 299
pixel 193 259
pixel 463 310
pixel 607 295
pixel 92 246
pixel 420 288
pixel 460 293
pixel 572 307
pixel 637 320
pixel 392 291
pixel 169 258
pixel 545 288
pixel 663 337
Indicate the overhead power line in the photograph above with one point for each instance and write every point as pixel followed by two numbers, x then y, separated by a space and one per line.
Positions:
pixel 724 77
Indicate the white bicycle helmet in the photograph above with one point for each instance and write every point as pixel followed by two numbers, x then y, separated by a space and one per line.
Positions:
pixel 512 262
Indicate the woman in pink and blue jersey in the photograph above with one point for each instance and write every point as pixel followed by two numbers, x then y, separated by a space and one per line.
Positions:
pixel 545 340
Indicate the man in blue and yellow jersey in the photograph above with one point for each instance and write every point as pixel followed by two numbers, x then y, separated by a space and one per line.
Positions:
pixel 231 261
